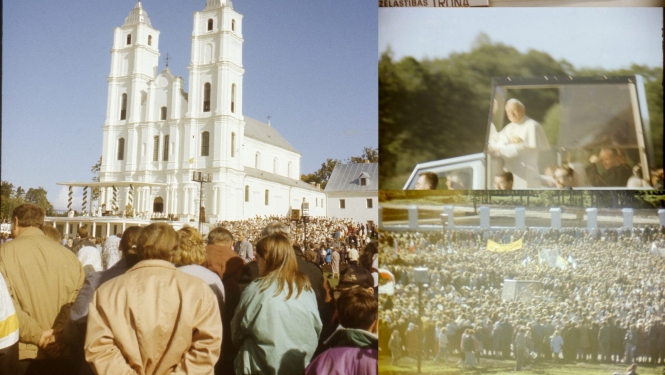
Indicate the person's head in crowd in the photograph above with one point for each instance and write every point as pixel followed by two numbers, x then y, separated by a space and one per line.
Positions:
pixel 310 256
pixel 127 245
pixel 157 241
pixel 26 216
pixel 357 308
pixel 191 249
pixel 277 264
pixel 457 181
pixel 354 277
pixel 503 181
pixel 83 232
pixel 241 236
pixel 51 233
pixel 610 158
pixel 563 177
pixel 220 236
pixel 515 110
pixel 427 181
pixel 276 227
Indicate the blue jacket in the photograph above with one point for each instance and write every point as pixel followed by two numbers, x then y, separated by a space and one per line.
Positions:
pixel 275 336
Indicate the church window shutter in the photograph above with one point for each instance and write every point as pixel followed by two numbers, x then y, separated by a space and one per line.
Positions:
pixel 206 97
pixel 205 144
pixel 123 107
pixel 121 148
pixel 165 156
pixel 155 150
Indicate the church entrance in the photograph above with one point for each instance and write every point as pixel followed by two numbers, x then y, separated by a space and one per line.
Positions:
pixel 158 205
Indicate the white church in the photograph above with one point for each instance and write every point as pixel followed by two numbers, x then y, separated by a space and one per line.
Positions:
pixel 156 134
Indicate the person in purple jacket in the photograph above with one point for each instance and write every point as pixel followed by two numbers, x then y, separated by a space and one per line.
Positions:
pixel 353 349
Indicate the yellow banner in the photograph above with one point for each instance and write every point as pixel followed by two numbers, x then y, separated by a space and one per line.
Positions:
pixel 499 248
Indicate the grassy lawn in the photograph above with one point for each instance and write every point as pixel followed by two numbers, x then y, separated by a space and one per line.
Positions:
pixel 333 282
pixel 490 366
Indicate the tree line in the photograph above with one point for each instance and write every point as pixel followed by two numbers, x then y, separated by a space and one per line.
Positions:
pixel 11 198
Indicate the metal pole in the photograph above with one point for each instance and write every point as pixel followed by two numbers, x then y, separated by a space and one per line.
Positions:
pixel 305 221
pixel 200 205
pixel 420 321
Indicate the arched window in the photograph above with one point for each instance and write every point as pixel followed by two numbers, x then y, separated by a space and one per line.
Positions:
pixel 129 39
pixel 149 40
pixel 233 98
pixel 206 97
pixel 233 25
pixel 266 198
pixel 257 159
pixel 210 24
pixel 165 156
pixel 205 144
pixel 155 149
pixel 123 107
pixel 246 193
pixel 121 148
pixel 233 145
pixel 274 165
pixel 162 115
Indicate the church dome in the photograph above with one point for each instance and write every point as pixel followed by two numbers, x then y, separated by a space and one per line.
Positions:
pixel 137 15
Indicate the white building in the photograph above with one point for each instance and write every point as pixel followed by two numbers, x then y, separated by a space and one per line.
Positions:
pixel 155 132
pixel 352 192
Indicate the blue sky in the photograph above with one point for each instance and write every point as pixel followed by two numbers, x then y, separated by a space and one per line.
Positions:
pixel 610 38
pixel 311 65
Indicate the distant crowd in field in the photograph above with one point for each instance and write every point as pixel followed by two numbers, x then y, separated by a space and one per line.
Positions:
pixel 602 301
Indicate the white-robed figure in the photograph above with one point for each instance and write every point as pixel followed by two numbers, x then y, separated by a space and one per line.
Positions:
pixel 518 144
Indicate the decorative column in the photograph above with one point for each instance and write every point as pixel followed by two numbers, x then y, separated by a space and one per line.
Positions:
pixel 85 200
pixel 115 198
pixel 215 191
pixel 661 216
pixel 185 201
pixel 556 217
pixel 484 217
pixel 130 198
pixel 592 218
pixel 413 216
pixel 167 201
pixel 69 200
pixel 628 217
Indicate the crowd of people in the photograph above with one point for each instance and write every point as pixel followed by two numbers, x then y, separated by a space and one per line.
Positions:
pixel 158 301
pixel 603 300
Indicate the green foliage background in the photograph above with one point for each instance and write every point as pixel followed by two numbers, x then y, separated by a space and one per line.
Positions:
pixel 438 108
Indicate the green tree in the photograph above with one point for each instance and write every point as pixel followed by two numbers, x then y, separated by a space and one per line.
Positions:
pixel 39 197
pixel 321 175
pixel 369 153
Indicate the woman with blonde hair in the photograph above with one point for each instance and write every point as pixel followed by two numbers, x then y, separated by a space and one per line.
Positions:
pixel 277 323
pixel 190 257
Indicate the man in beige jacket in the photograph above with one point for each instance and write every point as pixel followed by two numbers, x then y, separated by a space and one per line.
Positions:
pixel 43 278
pixel 154 319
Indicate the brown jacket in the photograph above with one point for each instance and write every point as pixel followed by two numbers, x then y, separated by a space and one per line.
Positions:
pixel 228 266
pixel 153 319
pixel 43 278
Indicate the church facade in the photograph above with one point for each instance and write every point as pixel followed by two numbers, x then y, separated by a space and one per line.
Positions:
pixel 156 132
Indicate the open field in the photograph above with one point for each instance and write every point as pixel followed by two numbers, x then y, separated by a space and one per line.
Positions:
pixel 490 366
